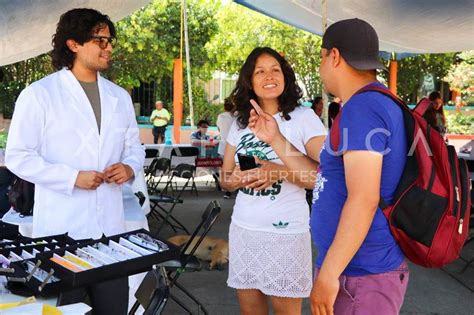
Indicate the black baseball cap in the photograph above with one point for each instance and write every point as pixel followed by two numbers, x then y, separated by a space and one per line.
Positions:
pixel 357 42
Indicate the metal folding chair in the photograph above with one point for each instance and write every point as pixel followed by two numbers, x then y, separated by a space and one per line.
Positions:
pixel 187 262
pixel 157 201
pixel 153 293
pixel 150 154
pixel 191 153
pixel 159 166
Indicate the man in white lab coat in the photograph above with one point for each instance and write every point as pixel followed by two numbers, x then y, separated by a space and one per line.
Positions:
pixel 74 135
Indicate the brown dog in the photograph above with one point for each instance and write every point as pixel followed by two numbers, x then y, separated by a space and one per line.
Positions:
pixel 211 249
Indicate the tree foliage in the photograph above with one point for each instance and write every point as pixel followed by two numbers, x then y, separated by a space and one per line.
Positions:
pixel 241 30
pixel 411 71
pixel 150 39
pixel 221 36
pixel 461 76
pixel 15 77
pixel 460 123
pixel 148 42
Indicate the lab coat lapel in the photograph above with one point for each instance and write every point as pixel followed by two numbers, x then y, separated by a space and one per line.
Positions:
pixel 76 97
pixel 108 104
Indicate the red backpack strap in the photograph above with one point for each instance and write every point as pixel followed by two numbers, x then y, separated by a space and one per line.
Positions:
pixel 384 91
pixel 334 133
pixel 422 106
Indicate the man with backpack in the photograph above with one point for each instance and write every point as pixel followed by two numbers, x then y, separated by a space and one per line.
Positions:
pixel 74 135
pixel 359 265
pixel 360 268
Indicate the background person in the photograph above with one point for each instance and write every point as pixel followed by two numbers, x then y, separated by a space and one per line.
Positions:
pixel 224 121
pixel 269 241
pixel 317 106
pixel 201 133
pixel 434 115
pixel 333 110
pixel 206 144
pixel 75 136
pixel 160 118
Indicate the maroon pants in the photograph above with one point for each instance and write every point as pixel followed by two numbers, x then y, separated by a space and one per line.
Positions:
pixel 374 294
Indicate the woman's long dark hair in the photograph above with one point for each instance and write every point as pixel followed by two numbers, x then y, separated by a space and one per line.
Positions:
pixel 430 114
pixel 243 92
pixel 79 25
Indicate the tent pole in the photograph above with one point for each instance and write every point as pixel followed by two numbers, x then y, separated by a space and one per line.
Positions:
pixel 392 81
pixel 177 99
pixel 324 20
pixel 178 87
pixel 188 64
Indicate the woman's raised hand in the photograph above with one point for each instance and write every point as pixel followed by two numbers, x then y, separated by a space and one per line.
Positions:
pixel 263 125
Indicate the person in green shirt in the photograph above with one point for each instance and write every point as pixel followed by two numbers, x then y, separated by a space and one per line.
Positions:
pixel 159 117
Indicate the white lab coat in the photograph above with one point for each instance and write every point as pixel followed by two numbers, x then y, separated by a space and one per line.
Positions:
pixel 54 135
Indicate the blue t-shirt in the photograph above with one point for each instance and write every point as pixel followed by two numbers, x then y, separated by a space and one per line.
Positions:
pixel 375 117
pixel 197 135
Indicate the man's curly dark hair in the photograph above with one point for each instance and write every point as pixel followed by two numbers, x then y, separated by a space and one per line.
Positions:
pixel 243 92
pixel 79 25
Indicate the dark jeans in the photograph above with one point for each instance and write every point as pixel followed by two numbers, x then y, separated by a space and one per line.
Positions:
pixel 108 297
pixel 158 132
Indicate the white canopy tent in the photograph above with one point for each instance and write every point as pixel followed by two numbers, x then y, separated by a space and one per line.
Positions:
pixel 27 26
pixel 414 26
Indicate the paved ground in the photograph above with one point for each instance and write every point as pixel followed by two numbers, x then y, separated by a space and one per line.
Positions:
pixel 430 291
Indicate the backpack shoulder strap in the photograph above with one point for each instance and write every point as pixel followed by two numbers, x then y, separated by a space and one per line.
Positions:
pixel 383 90
pixel 334 132
pixel 422 106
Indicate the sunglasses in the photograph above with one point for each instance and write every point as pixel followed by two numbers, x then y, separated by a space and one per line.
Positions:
pixel 104 41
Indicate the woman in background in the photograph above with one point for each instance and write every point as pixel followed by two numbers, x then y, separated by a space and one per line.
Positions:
pixel 434 115
pixel 224 121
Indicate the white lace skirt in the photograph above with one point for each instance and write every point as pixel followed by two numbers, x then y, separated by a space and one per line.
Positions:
pixel 276 264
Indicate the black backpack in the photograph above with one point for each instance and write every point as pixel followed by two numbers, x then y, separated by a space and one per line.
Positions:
pixel 6 179
pixel 22 196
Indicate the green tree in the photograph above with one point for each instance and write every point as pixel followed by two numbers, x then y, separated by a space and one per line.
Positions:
pixel 149 41
pixel 460 123
pixel 17 76
pixel 241 30
pixel 461 76
pixel 412 70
